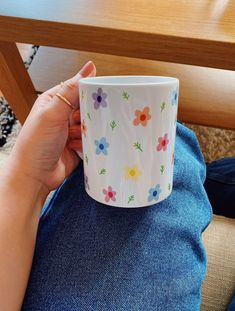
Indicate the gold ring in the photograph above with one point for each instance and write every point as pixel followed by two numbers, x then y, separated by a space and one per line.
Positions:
pixel 61 84
pixel 65 100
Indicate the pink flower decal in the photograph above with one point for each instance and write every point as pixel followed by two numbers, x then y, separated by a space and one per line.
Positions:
pixel 162 143
pixel 109 194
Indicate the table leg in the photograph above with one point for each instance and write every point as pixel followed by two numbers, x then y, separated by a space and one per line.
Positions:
pixel 15 82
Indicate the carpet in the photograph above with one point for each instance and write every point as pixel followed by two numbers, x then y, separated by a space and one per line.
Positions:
pixel 9 125
pixel 215 143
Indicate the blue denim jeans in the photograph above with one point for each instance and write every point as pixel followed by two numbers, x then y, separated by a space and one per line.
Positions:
pixel 232 304
pixel 92 257
pixel 220 186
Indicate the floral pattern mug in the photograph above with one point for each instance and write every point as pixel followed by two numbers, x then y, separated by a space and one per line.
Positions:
pixel 128 126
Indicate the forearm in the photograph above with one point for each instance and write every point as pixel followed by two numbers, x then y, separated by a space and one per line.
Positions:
pixel 21 200
pixel 41 159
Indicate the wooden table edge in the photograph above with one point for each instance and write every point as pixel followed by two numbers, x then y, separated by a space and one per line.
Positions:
pixel 184 50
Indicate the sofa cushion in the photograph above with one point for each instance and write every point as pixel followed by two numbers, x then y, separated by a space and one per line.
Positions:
pixel 219 285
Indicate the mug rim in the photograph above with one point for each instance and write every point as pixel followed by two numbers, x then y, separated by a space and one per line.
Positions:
pixel 129 80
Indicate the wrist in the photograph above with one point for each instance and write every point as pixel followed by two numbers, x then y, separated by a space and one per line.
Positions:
pixel 20 190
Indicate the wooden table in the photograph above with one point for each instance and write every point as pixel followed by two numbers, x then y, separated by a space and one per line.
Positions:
pixel 199 33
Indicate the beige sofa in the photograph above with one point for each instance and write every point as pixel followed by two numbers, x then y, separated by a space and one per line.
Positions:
pixel 219 285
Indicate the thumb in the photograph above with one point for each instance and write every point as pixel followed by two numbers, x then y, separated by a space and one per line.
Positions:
pixel 70 91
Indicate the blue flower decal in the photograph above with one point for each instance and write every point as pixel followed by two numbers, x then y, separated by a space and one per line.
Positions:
pixel 101 146
pixel 154 193
pixel 99 98
pixel 174 97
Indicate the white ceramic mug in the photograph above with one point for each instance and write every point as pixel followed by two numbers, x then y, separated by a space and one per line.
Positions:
pixel 128 136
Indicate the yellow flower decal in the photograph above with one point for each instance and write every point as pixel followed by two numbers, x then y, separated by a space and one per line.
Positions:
pixel 132 173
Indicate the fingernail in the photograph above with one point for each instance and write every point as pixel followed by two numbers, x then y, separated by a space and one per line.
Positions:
pixel 87 69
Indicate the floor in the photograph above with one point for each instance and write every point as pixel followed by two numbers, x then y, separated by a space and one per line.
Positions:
pixel 24 50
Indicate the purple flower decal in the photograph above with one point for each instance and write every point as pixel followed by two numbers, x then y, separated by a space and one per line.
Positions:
pixel 99 99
